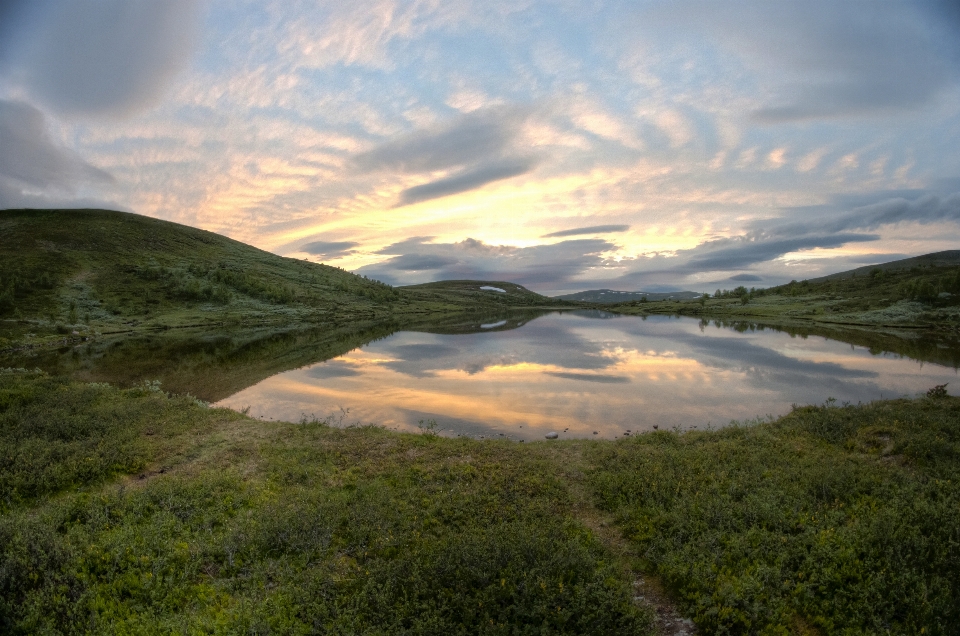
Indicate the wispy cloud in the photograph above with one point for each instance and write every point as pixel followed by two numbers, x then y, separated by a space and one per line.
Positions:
pixel 465 181
pixel 593 229
pixel 478 137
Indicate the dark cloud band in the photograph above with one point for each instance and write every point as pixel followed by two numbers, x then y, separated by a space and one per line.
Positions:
pixel 464 182
pixel 329 249
pixel 593 229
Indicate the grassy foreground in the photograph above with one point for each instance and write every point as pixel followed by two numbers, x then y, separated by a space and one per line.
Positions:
pixel 132 511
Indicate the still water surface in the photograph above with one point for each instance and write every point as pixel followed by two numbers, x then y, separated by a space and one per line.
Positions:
pixel 577 373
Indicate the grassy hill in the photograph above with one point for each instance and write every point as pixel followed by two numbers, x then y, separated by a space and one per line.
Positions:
pixel 86 271
pixel 915 293
pixel 945 259
pixel 612 296
pixel 111 269
pixel 476 295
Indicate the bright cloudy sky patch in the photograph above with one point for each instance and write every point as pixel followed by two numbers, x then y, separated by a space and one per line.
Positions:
pixel 559 145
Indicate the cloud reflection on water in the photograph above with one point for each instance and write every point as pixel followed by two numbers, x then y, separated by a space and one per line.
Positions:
pixel 569 371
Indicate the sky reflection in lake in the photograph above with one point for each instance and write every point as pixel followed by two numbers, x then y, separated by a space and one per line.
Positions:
pixel 580 372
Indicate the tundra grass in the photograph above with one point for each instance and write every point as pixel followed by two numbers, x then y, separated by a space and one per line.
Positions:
pixel 132 511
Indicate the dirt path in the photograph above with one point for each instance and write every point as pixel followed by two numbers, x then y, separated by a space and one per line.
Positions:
pixel 648 591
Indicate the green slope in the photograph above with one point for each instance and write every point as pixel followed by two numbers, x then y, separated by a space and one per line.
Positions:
pixel 613 296
pixel 108 269
pixel 915 293
pixel 478 295
pixel 89 271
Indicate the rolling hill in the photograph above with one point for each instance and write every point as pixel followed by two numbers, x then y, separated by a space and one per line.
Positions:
pixel 70 272
pixel 920 293
pixel 612 296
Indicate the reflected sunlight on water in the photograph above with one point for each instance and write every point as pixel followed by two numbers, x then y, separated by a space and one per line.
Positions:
pixel 580 372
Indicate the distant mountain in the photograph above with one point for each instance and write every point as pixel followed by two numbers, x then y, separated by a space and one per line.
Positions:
pixel 612 296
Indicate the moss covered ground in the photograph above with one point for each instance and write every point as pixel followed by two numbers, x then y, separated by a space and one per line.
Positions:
pixel 135 511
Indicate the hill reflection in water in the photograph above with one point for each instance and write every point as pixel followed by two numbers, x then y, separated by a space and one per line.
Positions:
pixel 580 372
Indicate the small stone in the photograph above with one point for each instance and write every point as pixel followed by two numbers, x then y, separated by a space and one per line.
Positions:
pixel 626 434
pixel 656 426
pixel 594 432
pixel 551 435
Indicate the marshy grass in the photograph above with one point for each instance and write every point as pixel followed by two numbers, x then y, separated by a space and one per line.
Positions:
pixel 151 513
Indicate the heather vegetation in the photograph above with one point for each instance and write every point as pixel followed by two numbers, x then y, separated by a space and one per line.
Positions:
pixel 150 513
pixel 136 511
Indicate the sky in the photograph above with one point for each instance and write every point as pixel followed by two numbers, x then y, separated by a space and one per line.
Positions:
pixel 562 145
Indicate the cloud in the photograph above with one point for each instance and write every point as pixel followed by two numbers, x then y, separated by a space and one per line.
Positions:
pixel 826 59
pixel 591 377
pixel 33 169
pixel 848 219
pixel 868 212
pixel 734 353
pixel 417 260
pixel 593 229
pixel 480 147
pixel 421 262
pixel 741 252
pixel 478 137
pixel 926 209
pixel 423 351
pixel 105 57
pixel 464 182
pixel 332 369
pixel 330 249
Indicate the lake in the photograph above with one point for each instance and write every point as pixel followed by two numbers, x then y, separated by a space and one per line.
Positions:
pixel 587 374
